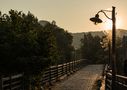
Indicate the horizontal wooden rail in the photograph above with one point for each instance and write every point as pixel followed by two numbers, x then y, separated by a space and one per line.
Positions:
pixel 12 82
pixel 55 73
pixel 120 83
pixel 50 75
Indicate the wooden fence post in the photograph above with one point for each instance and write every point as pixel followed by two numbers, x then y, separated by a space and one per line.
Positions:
pixel 69 68
pixel 62 69
pixel 10 82
pixel 66 69
pixel 57 73
pixel 50 76
pixel 73 66
pixel 106 81
pixel 1 83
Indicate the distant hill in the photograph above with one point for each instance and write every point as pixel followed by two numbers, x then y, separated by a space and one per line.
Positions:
pixel 76 39
pixel 121 32
pixel 78 36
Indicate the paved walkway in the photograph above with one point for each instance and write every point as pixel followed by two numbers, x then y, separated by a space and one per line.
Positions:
pixel 103 85
pixel 82 79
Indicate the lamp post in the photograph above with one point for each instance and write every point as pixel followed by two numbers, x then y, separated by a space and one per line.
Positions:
pixel 96 20
pixel 109 53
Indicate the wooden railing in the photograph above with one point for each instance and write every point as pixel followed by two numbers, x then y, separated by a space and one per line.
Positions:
pixel 50 75
pixel 108 81
pixel 12 82
pixel 120 83
pixel 55 73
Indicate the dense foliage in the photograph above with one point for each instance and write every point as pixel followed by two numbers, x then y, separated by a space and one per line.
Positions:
pixel 120 52
pixel 91 49
pixel 27 46
pixel 98 50
pixel 64 43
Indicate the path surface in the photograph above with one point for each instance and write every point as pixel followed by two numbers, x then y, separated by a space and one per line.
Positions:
pixel 82 79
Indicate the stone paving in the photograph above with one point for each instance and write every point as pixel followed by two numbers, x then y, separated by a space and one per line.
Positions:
pixel 82 79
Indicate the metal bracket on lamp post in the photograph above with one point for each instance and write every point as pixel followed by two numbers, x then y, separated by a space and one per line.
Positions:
pixel 103 11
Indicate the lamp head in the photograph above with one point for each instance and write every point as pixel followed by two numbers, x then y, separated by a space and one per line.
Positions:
pixel 96 19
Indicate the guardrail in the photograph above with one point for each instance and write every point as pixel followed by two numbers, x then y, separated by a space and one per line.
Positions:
pixel 12 82
pixel 120 83
pixel 108 81
pixel 55 73
pixel 50 75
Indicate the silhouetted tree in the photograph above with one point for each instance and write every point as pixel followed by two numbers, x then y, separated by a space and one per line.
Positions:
pixel 91 49
pixel 63 42
pixel 25 45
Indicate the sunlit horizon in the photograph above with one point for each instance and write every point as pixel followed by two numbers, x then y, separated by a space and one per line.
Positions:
pixel 74 15
pixel 107 25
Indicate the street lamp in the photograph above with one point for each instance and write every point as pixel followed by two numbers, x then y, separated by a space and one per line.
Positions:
pixel 96 20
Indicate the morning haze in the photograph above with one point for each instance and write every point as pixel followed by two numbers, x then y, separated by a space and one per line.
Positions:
pixel 72 15
pixel 53 45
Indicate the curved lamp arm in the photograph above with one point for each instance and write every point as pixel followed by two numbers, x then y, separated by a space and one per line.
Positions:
pixel 105 13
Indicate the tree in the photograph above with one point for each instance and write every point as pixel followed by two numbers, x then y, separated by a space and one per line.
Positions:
pixel 91 49
pixel 25 44
pixel 29 46
pixel 64 44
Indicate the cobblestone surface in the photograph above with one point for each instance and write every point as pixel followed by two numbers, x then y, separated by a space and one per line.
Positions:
pixel 82 79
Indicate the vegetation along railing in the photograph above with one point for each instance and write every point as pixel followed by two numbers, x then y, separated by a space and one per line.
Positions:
pixel 120 84
pixel 12 82
pixel 52 74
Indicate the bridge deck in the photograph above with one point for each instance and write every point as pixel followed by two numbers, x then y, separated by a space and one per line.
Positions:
pixel 82 79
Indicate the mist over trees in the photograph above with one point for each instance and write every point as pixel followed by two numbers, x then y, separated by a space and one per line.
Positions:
pixel 27 46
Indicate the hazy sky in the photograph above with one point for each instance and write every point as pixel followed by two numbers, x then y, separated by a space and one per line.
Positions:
pixel 72 15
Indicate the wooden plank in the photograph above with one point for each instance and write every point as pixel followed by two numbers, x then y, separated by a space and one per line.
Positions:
pixel 5 78
pixel 17 76
pixel 17 87
pixel 16 82
pixel 122 77
pixel 11 82
pixel 6 85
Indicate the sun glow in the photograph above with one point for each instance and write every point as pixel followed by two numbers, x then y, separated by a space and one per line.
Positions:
pixel 108 24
